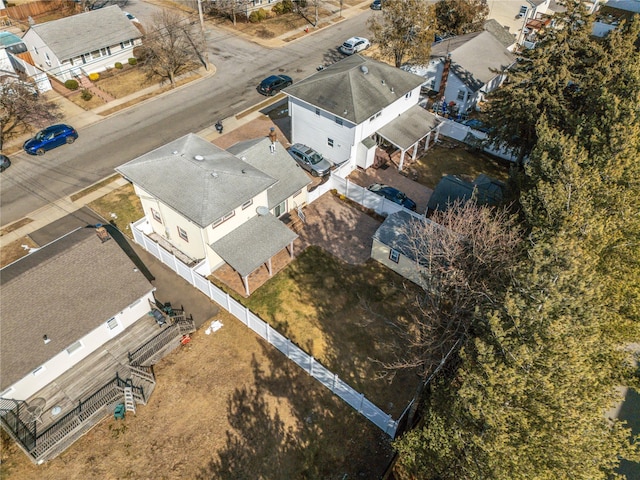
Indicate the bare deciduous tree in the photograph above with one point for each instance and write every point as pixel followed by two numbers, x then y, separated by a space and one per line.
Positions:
pixel 464 257
pixel 172 47
pixel 22 109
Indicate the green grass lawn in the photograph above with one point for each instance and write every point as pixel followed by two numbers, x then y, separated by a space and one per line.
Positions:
pixel 124 203
pixel 350 318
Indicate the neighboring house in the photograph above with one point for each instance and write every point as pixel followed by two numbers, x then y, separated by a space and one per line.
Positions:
pixel 60 304
pixel 345 110
pixel 501 33
pixel 14 63
pixel 465 68
pixel 82 44
pixel 485 190
pixel 393 247
pixel 212 205
pixel 610 15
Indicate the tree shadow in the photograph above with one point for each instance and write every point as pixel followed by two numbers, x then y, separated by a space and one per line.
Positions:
pixel 313 435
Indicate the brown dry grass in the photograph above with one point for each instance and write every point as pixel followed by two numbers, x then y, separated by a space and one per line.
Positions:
pixel 16 225
pixel 453 158
pixel 124 203
pixel 94 102
pixel 16 250
pixel 129 80
pixel 227 406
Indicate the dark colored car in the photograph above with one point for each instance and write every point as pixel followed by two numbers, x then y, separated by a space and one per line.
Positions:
pixel 393 194
pixel 50 137
pixel 477 125
pixel 376 5
pixel 273 84
pixel 312 161
pixel 4 163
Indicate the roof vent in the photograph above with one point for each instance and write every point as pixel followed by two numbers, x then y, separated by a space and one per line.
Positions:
pixel 175 152
pixel 364 69
pixel 46 339
pixel 214 174
pixel 392 90
pixel 383 82
pixel 198 158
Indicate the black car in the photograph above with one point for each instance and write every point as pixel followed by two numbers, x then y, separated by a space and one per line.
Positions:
pixel 4 163
pixel 376 5
pixel 273 84
pixel 393 194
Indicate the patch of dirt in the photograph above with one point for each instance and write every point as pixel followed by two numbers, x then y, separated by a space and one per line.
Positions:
pixel 227 406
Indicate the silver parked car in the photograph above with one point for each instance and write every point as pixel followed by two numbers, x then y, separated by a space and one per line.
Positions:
pixel 310 160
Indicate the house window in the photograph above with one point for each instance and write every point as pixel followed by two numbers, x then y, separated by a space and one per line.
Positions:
pixel 126 43
pixel 460 94
pixel 378 114
pixel 280 209
pixel 38 370
pixel 330 142
pixel 246 205
pixel 224 219
pixel 297 193
pixel 432 84
pixel 372 118
pixel 156 215
pixel 408 94
pixel 338 120
pixel 183 235
pixel 394 255
pixel 112 323
pixel 76 346
pixel 318 111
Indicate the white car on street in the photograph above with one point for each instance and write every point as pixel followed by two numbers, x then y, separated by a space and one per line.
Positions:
pixel 355 45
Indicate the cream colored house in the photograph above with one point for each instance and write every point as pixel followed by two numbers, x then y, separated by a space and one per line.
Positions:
pixel 216 206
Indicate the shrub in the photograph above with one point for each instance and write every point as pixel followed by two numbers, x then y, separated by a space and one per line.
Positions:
pixel 86 95
pixel 71 84
pixel 94 77
pixel 257 15
pixel 118 65
pixel 287 6
pixel 132 61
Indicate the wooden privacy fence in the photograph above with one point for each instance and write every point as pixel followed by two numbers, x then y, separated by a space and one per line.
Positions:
pixel 23 11
pixel 305 361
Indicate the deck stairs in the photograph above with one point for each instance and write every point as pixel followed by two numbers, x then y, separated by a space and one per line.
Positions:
pixel 129 402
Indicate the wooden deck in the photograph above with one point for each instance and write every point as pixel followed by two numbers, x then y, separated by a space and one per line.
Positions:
pixel 94 371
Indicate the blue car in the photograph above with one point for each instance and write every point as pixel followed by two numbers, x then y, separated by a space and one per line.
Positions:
pixel 50 137
pixel 393 194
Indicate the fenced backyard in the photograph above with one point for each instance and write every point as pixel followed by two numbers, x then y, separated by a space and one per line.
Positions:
pixel 307 362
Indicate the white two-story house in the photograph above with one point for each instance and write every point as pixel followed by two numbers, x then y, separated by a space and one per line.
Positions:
pixel 345 110
pixel 219 207
pixel 465 68
pixel 82 44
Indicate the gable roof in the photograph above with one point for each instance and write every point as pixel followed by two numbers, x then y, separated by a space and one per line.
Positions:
pixel 450 188
pixel 393 233
pixel 279 165
pixel 64 290
pixel 355 88
pixel 196 179
pixel 501 33
pixel 86 32
pixel 474 57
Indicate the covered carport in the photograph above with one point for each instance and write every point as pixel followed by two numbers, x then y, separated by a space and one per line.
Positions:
pixel 407 131
pixel 253 244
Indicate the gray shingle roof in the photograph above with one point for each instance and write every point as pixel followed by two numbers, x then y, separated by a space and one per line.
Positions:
pixel 393 233
pixel 474 57
pixel 345 90
pixel 85 32
pixel 64 290
pixel 253 243
pixel 502 34
pixel 200 190
pixel 406 129
pixel 279 165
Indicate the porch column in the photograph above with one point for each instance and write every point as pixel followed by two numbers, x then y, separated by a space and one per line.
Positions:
pixel 437 132
pixel 245 280
pixel 415 149
pixel 269 267
pixel 426 143
pixel 401 159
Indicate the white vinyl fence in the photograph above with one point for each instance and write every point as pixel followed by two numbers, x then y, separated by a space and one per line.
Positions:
pixel 305 361
pixel 359 195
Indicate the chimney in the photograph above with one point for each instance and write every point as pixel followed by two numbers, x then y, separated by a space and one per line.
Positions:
pixel 102 233
pixel 445 76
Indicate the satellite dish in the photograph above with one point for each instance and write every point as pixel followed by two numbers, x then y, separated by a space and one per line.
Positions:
pixel 262 211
